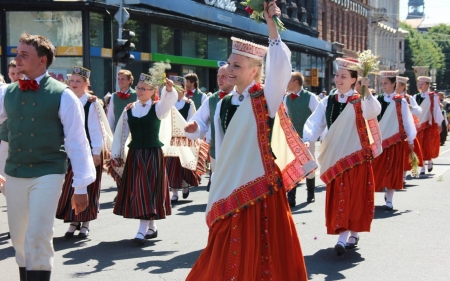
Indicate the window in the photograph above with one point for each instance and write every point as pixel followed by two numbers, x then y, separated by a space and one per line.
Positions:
pixel 194 44
pixel 217 48
pixel 162 40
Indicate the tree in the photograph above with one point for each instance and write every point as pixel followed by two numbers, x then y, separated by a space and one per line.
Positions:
pixel 441 35
pixel 421 50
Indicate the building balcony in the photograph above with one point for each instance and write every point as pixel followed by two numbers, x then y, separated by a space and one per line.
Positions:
pixel 379 14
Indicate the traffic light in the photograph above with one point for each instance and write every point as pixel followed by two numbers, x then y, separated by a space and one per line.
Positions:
pixel 122 48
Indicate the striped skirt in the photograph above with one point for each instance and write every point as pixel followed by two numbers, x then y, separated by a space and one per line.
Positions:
pixel 144 190
pixel 65 211
pixel 176 173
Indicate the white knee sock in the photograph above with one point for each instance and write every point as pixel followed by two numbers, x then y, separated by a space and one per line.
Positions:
pixel 152 225
pixel 143 226
pixel 85 224
pixel 174 191
pixel 72 227
pixel 343 237
pixel 353 234
pixel 389 194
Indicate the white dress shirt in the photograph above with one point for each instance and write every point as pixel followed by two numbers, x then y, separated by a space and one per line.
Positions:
pixel 317 122
pixel 110 114
pixel 162 108
pixel 278 73
pixel 179 104
pixel 95 130
pixel 408 121
pixel 416 110
pixel 76 145
pixel 437 114
pixel 313 101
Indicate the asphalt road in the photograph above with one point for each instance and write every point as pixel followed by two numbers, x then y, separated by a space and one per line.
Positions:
pixel 410 243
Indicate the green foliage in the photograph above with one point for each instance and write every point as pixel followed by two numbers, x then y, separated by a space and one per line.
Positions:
pixel 441 35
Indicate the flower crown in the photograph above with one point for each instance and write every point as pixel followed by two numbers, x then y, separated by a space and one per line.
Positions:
pixel 178 79
pixel 145 78
pixel 388 73
pixel 424 79
pixel 348 63
pixel 401 79
pixel 248 49
pixel 86 73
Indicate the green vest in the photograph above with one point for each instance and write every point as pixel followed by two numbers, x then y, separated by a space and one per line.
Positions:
pixel 334 109
pixel 36 135
pixel 145 130
pixel 86 121
pixel 197 98
pixel 4 131
pixel 213 101
pixel 184 111
pixel 299 110
pixel 384 105
pixel 227 110
pixel 120 104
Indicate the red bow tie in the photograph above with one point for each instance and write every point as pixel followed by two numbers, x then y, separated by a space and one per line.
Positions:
pixel 25 85
pixel 293 96
pixel 190 93
pixel 222 95
pixel 123 96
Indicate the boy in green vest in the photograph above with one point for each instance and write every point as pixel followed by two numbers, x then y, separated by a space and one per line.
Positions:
pixel 45 125
pixel 193 91
pixel 122 98
pixel 203 120
pixel 300 104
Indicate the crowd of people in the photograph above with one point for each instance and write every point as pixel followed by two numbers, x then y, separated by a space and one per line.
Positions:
pixel 259 138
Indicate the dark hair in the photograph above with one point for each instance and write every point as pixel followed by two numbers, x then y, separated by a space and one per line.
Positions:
pixel 297 76
pixel 12 64
pixel 42 45
pixel 354 74
pixel 193 78
pixel 393 80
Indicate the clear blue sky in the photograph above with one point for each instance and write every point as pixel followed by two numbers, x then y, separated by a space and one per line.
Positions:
pixel 435 10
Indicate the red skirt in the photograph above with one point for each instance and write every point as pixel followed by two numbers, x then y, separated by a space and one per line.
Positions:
pixel 144 190
pixel 429 140
pixel 176 174
pixel 65 211
pixel 389 167
pixel 258 243
pixel 418 150
pixel 350 200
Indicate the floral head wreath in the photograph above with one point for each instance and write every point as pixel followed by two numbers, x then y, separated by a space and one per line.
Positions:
pixel 145 78
pixel 86 73
pixel 388 73
pixel 248 49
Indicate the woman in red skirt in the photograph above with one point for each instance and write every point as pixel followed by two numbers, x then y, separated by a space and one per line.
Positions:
pixel 143 191
pixel 180 177
pixel 95 132
pixel 346 154
pixel 396 125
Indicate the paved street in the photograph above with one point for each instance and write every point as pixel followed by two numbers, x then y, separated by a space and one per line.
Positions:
pixel 410 243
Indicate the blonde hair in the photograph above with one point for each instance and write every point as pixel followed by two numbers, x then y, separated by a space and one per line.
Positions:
pixel 403 84
pixel 260 64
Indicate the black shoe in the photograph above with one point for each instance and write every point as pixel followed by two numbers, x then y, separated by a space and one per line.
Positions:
pixel 174 199
pixel 84 235
pixel 23 273
pixel 339 248
pixel 310 187
pixel 430 169
pixel 153 235
pixel 291 197
pixel 139 241
pixel 352 245
pixel 388 208
pixel 70 234
pixel 186 195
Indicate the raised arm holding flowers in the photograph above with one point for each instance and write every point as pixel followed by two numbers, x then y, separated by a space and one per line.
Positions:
pixel 258 10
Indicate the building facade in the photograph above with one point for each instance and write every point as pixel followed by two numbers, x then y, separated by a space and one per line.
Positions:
pixel 194 35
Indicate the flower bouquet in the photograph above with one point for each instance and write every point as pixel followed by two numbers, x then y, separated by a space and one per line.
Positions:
pixel 256 10
pixel 414 160
pixel 158 74
pixel 368 64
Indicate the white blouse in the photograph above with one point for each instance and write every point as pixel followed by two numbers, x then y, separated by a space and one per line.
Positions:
pixel 95 130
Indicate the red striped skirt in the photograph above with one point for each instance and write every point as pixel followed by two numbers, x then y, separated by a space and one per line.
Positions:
pixel 389 167
pixel 176 173
pixel 144 190
pixel 430 142
pixel 350 200
pixel 65 211
pixel 418 150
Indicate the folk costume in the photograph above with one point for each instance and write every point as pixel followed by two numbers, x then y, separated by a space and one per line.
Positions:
pixel 45 124
pixel 299 106
pixel 117 103
pixel 431 118
pixel 197 96
pixel 96 130
pixel 346 154
pixel 252 233
pixel 180 177
pixel 396 126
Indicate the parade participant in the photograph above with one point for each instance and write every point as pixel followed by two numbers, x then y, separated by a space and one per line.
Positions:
pixel 416 111
pixel 120 99
pixel 193 91
pixel 323 94
pixel 430 121
pixel 252 234
pixel 178 176
pixel 95 131
pixel 203 120
pixel 143 191
pixel 13 74
pixel 346 154
pixel 444 131
pixel 396 125
pixel 300 104
pixel 45 119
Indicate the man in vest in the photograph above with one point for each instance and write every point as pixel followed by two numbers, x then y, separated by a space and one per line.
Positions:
pixel 203 120
pixel 45 124
pixel 300 104
pixel 119 100
pixel 193 91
